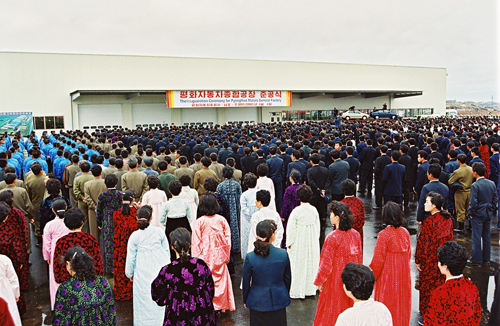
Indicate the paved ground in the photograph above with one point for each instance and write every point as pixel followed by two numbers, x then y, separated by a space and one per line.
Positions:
pixel 300 312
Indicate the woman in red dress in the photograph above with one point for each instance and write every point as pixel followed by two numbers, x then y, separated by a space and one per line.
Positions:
pixel 13 241
pixel 343 245
pixel 125 223
pixel 356 205
pixel 436 230
pixel 484 154
pixel 391 266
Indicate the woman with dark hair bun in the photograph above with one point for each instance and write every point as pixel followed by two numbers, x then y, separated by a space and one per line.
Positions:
pixel 355 204
pixel 187 281
pixel 343 245
pixel 266 279
pixel 86 298
pixel 211 241
pixel 125 225
pixel 54 230
pixel 147 252
pixel 46 214
pixel 391 265
pixel 107 203
pixel 248 208
pixel 290 201
pixel 484 154
pixel 155 198
pixel 230 190
pixel 302 241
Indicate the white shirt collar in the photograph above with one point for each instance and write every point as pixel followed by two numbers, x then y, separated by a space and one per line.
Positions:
pixel 455 277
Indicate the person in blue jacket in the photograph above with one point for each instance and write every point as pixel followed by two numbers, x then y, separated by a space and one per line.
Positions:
pixel 266 279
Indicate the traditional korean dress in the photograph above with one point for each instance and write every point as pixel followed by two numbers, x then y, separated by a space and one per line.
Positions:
pixel 265 214
pixel 72 239
pixel 436 230
pixel 211 242
pixel 391 266
pixel 54 230
pixel 340 248
pixel 231 192
pixel 302 241
pixel 190 195
pixel 358 212
pixel 108 202
pixel 290 201
pixel 147 253
pixel 484 154
pixel 265 183
pixel 9 287
pixel 85 302
pixel 454 303
pixel 248 208
pixel 186 289
pixel 13 240
pixel 125 225
pixel 155 198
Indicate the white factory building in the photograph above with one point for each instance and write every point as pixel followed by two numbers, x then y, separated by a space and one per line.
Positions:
pixel 86 91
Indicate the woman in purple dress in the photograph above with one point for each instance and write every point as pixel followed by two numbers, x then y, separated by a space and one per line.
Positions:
pixel 290 201
pixel 185 287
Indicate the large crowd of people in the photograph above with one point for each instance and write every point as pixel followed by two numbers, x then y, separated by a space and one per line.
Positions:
pixel 167 213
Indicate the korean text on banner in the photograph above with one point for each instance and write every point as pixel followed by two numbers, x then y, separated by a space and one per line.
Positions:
pixel 193 99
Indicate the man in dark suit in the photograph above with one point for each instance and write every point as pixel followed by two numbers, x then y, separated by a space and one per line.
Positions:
pixel 275 165
pixel 494 163
pixel 366 170
pixel 184 150
pixel 296 165
pixel 405 160
pixel 435 154
pixel 353 164
pixel 338 171
pixel 316 178
pixel 422 171
pixel 210 149
pixel 199 148
pixel 481 207
pixel 247 162
pixel 393 178
pixel 237 156
pixel 433 173
pixel 259 160
pixel 380 163
pixel 413 154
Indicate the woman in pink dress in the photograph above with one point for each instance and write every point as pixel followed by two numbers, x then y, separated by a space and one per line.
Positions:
pixel 391 266
pixel 211 241
pixel 53 231
pixel 343 245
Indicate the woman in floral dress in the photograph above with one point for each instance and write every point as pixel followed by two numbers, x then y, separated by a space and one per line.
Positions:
pixel 125 221
pixel 290 201
pixel 187 281
pixel 107 203
pixel 231 192
pixel 86 298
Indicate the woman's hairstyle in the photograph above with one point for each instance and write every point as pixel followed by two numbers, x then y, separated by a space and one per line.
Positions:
pixel 127 198
pixel 250 180
pixel 295 175
pixel 392 214
pixel 111 180
pixel 81 263
pixel 264 197
pixel 304 193
pixel 143 216
pixel 358 279
pixel 264 230
pixel 59 206
pixel 53 187
pixel 344 212
pixel 454 256
pixel 185 180
pixel 211 184
pixel 5 210
pixel 153 181
pixel 180 239
pixel 227 172
pixel 348 187
pixel 437 200
pixel 175 187
pixel 262 170
pixel 208 205
pixel 7 196
pixel 73 219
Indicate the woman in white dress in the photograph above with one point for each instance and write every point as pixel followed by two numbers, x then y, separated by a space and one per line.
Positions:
pixel 266 183
pixel 248 208
pixel 190 195
pixel 9 287
pixel 155 198
pixel 147 252
pixel 302 242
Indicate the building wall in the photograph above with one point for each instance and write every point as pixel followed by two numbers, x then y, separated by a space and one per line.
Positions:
pixel 42 82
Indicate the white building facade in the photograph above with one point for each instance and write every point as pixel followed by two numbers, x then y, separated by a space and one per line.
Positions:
pixel 77 91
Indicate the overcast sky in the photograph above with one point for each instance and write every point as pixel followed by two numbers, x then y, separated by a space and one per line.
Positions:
pixel 462 36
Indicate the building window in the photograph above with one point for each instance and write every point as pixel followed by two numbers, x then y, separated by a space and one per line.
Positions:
pixel 50 122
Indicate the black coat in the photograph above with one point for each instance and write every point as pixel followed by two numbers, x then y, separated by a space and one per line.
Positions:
pixel 316 178
pixel 247 164
pixel 367 158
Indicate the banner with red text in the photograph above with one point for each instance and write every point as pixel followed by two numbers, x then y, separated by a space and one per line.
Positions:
pixel 193 99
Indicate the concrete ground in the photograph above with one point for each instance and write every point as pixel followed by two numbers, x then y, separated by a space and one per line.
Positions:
pixel 300 312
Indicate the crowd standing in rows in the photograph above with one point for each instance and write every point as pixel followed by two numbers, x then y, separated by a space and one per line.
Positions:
pixel 167 211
